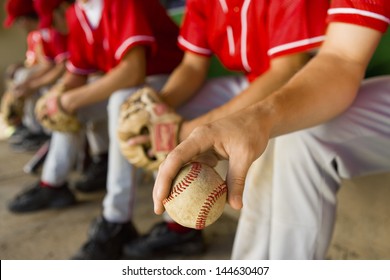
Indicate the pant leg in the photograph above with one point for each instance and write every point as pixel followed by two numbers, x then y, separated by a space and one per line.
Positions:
pixel 254 228
pixel 97 137
pixel 60 158
pixel 119 201
pixel 309 165
pixel 96 124
pixel 214 93
pixel 96 127
pixel 64 147
pixel 29 120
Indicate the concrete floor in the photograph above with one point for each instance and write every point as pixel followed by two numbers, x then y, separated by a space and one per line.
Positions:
pixel 362 230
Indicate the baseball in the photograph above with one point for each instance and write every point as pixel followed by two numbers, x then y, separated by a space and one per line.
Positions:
pixel 198 196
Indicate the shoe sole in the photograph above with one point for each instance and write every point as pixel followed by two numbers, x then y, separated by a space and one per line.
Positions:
pixel 53 205
pixel 175 250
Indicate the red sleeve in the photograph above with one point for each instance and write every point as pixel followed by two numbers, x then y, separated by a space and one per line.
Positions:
pixel 193 33
pixel 296 25
pixel 129 25
pixel 54 45
pixel 60 47
pixel 369 13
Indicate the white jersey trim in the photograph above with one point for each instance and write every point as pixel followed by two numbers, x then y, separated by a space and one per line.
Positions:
pixel 230 36
pixel 61 57
pixel 93 10
pixel 244 35
pixel 45 34
pixel 224 6
pixel 192 47
pixel 84 25
pixel 130 41
pixel 295 44
pixel 336 11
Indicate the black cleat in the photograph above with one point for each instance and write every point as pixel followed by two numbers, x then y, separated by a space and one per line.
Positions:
pixel 95 177
pixel 39 197
pixel 161 242
pixel 106 240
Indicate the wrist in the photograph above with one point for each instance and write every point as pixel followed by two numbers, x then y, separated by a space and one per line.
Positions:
pixel 65 104
pixel 265 115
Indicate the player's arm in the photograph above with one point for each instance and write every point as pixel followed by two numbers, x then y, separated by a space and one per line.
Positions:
pixel 41 69
pixel 186 79
pixel 71 80
pixel 281 70
pixel 323 89
pixel 49 77
pixel 327 86
pixel 131 71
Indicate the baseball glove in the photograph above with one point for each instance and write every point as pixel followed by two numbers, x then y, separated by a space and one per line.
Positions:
pixel 50 114
pixel 145 113
pixel 12 108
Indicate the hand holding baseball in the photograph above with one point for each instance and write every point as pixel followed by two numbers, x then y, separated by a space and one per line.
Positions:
pixel 198 196
pixel 229 138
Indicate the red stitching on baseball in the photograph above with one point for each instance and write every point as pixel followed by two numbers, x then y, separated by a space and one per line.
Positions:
pixel 185 182
pixel 208 204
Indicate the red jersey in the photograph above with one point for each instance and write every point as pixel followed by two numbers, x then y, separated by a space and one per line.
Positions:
pixel 100 35
pixel 369 13
pixel 52 45
pixel 245 34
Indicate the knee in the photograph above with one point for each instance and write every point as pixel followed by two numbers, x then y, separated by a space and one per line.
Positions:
pixel 292 146
pixel 116 100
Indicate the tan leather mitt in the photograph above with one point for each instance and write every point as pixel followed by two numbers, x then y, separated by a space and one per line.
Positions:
pixel 145 113
pixel 12 108
pixel 50 114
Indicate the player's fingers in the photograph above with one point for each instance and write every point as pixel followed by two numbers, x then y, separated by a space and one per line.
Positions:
pixel 168 170
pixel 138 140
pixel 209 158
pixel 166 173
pixel 236 175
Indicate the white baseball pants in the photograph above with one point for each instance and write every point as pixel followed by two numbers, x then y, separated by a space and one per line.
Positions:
pixel 29 120
pixel 289 213
pixel 65 147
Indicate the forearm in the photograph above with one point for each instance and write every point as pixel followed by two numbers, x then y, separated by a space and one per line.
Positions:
pixel 101 89
pixel 326 86
pixel 40 70
pixel 282 69
pixel 71 81
pixel 49 77
pixel 128 73
pixel 185 80
pixel 304 102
